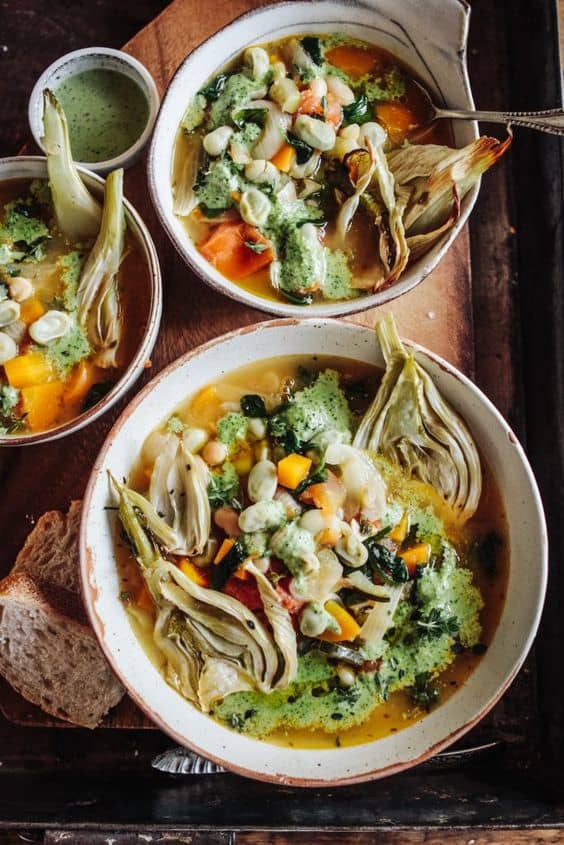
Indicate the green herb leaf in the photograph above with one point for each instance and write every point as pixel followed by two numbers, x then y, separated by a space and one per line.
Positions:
pixel 385 563
pixel 312 46
pixel 243 116
pixel 223 570
pixel 253 405
pixel 256 246
pixel 436 623
pixel 316 477
pixel 303 150
pixel 297 298
pixel 214 88
pixel 359 111
pixel 424 692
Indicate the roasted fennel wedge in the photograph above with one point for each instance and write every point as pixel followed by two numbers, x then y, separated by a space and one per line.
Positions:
pixel 411 424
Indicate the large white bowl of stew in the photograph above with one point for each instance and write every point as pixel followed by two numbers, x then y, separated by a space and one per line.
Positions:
pixel 51 386
pixel 293 165
pixel 302 619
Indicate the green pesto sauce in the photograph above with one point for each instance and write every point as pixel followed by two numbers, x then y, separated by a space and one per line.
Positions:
pixel 106 113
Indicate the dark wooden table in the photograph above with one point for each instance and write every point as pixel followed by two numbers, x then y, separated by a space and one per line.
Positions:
pixel 68 779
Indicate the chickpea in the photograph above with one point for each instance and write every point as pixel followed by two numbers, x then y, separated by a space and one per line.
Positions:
pixel 214 453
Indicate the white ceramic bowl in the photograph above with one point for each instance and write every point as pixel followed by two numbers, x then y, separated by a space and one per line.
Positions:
pixel 251 757
pixel 431 41
pixel 94 58
pixel 35 167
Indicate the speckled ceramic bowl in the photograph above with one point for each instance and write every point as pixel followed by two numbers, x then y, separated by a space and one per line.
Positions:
pixel 35 167
pixel 97 58
pixel 432 41
pixel 181 720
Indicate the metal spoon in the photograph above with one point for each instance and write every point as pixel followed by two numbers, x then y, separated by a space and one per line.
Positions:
pixel 551 120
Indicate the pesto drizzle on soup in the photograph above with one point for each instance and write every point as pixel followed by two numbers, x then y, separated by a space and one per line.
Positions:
pixel 306 172
pixel 384 599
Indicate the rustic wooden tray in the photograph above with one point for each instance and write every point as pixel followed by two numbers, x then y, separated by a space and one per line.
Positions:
pixel 437 314
pixel 495 308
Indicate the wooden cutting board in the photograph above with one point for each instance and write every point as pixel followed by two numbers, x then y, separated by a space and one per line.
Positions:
pixel 437 314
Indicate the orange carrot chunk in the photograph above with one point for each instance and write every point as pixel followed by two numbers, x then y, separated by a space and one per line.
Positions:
pixel 354 61
pixel 284 158
pixel 237 250
pixel 397 120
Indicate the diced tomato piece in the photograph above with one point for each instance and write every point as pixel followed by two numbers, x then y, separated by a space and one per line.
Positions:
pixel 244 591
pixel 292 604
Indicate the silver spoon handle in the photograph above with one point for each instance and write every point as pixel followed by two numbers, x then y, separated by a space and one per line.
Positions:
pixel 551 121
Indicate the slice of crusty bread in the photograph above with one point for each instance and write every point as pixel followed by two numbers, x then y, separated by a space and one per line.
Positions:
pixel 50 552
pixel 49 657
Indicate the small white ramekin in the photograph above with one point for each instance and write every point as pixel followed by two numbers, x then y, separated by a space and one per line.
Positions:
pixel 91 58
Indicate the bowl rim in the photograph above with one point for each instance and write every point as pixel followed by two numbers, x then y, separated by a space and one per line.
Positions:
pixel 73 59
pixel 136 365
pixel 221 284
pixel 90 592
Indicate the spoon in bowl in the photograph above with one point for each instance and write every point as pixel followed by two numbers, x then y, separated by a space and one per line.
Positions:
pixel 551 120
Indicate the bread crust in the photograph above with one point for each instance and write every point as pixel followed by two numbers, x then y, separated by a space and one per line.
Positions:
pixel 48 651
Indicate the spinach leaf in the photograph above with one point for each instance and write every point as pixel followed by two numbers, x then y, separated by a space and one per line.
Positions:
pixel 214 88
pixel 223 570
pixel 385 563
pixel 253 405
pixel 303 150
pixel 312 46
pixel 317 477
pixel 96 393
pixel 359 111
pixel 424 692
pixel 244 116
pixel 297 298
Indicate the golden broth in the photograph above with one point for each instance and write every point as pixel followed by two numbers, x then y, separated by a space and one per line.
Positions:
pixel 134 295
pixel 362 240
pixel 265 377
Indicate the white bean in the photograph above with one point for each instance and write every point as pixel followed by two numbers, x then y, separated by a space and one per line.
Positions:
pixel 340 90
pixel 20 288
pixel 257 427
pixel 350 131
pixel 286 93
pixel 49 327
pixel 262 516
pixel 9 312
pixel 195 439
pixel 262 172
pixel 254 207
pixel 262 481
pixel 345 675
pixel 216 142
pixel 316 133
pixel 258 61
pixel 8 348
pixel 373 132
